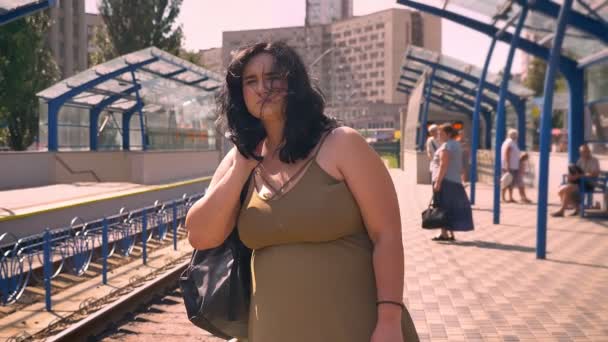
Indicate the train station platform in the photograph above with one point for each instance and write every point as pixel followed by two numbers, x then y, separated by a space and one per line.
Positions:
pixel 485 286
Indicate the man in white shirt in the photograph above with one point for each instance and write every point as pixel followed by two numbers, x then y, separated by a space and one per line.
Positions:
pixel 510 154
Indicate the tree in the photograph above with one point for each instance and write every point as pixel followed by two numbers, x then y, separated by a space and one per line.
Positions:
pixel 104 48
pixel 137 24
pixel 26 67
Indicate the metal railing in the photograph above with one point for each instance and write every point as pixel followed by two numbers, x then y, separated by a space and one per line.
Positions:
pixel 42 257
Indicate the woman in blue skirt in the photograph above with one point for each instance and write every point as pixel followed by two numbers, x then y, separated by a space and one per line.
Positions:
pixel 448 191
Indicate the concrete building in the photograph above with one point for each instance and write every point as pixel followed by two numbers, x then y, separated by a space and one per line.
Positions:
pixel 94 22
pixel 67 36
pixel 321 12
pixel 212 59
pixel 355 61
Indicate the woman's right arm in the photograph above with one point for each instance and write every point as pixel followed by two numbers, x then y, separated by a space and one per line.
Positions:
pixel 211 219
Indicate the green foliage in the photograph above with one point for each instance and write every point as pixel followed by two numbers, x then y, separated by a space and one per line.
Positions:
pixel 137 24
pixel 105 49
pixel 535 80
pixel 26 67
pixel 191 56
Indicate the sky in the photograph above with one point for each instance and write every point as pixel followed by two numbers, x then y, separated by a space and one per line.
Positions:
pixel 204 21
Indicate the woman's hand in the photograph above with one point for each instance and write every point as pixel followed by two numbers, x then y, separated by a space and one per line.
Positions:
pixel 388 332
pixel 241 163
pixel 437 186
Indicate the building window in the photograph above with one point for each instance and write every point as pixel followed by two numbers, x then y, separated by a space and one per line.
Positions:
pixel 347 33
pixel 380 83
pixel 368 28
pixel 374 37
pixel 363 39
pixel 379 26
pixel 380 64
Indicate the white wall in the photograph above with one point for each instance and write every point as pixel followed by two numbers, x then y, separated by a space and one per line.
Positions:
pixel 30 169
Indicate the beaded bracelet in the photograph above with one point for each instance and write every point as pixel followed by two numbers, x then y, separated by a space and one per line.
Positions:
pixel 391 302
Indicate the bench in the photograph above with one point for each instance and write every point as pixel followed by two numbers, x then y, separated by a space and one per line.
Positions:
pixel 600 186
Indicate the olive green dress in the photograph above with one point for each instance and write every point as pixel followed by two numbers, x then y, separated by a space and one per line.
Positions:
pixel 312 272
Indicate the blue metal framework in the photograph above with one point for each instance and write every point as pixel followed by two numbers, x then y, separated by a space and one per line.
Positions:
pixel 464 107
pixel 501 114
pixel 475 143
pixel 121 79
pixel 592 24
pixel 20 9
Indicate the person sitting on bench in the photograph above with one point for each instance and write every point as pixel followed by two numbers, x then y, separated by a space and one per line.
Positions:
pixel 569 193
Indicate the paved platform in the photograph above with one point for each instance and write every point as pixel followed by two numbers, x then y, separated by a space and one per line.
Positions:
pixel 486 286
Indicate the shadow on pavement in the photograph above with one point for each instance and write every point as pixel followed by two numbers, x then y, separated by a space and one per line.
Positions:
pixel 577 263
pixel 494 245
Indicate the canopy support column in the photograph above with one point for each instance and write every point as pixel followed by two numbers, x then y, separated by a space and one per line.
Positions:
pixel 139 108
pixel 520 109
pixel 476 118
pixel 425 110
pixel 576 110
pixel 545 129
pixel 501 112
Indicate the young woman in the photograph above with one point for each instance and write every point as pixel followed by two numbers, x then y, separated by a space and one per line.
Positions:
pixel 321 213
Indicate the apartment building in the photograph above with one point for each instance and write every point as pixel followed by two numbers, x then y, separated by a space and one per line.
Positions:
pixel 322 12
pixel 355 61
pixel 67 36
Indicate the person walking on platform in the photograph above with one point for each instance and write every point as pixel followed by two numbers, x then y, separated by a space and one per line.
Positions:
pixel 448 191
pixel 510 154
pixel 321 212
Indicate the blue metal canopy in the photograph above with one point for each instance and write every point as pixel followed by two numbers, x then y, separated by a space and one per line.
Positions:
pixel 569 35
pixel 14 9
pixel 456 82
pixel 149 78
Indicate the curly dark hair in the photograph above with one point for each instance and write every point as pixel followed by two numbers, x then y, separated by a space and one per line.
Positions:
pixel 305 119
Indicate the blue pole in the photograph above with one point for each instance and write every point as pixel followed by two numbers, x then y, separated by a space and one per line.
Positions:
pixel 476 118
pixel 104 252
pixel 520 109
pixel 144 235
pixel 545 129
pixel 425 110
pixel 141 114
pixel 52 116
pixel 501 113
pixel 93 126
pixel 576 110
pixel 47 268
pixel 174 225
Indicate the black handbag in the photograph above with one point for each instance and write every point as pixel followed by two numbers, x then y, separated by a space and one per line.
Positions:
pixel 434 217
pixel 216 286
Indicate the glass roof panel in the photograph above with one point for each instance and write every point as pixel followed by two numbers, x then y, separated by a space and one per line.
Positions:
pixel 7 6
pixel 155 86
pixel 541 27
pixel 453 63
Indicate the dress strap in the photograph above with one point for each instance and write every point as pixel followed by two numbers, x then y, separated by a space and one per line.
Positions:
pixel 320 144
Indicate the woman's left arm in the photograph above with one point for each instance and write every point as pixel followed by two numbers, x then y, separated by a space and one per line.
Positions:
pixel 374 191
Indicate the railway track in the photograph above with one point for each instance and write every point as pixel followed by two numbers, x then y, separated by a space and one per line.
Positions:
pixel 153 312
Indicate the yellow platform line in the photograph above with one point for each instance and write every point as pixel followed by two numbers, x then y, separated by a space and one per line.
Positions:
pixel 110 197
